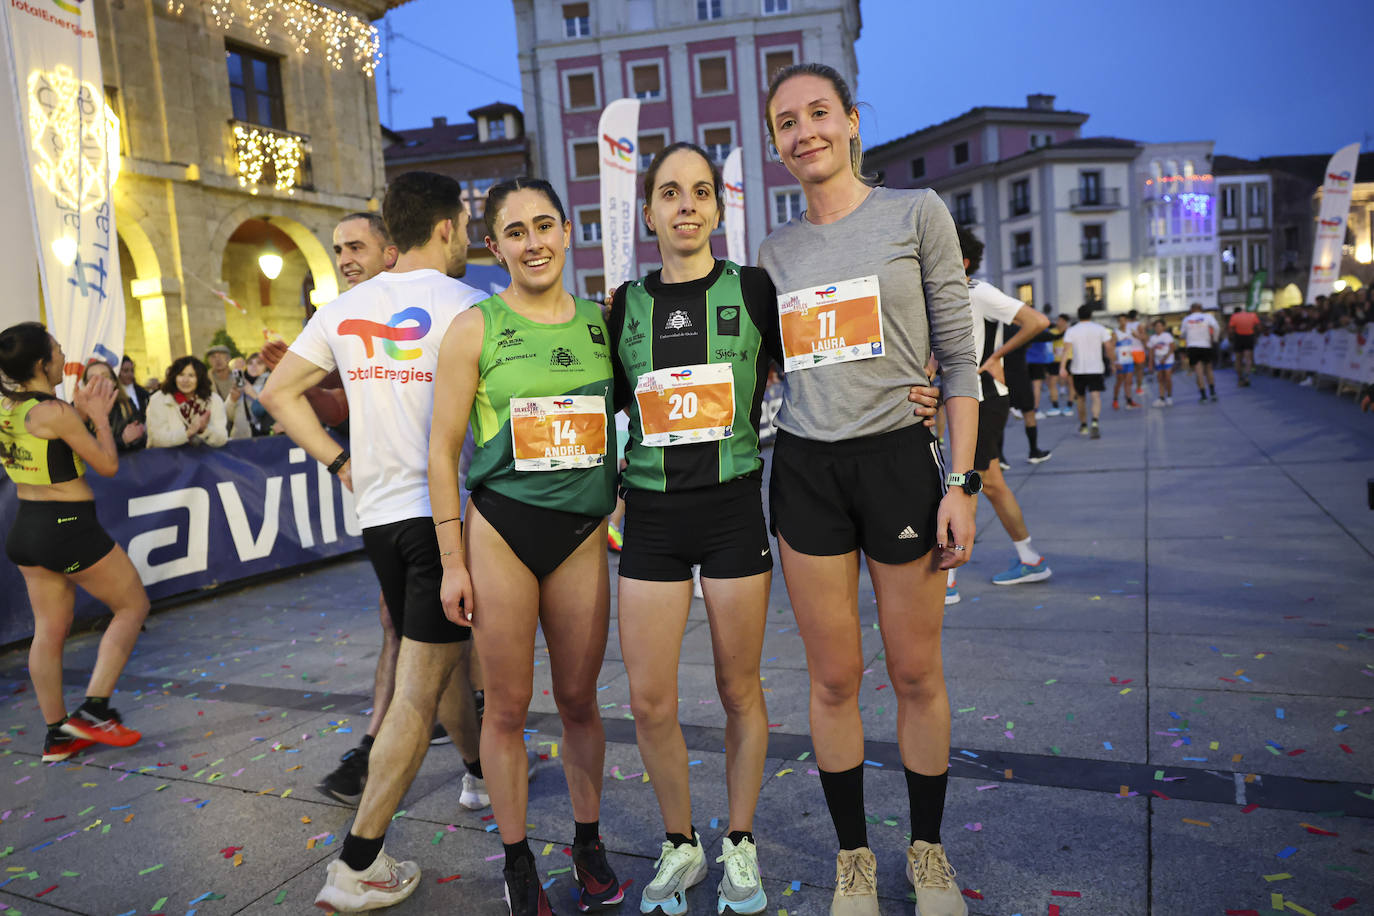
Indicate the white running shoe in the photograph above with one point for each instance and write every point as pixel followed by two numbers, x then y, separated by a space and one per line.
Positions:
pixel 677 869
pixel 1158 402
pixel 1015 412
pixel 474 796
pixel 1041 414
pixel 385 883
pixel 740 889
pixel 932 876
pixel 1169 401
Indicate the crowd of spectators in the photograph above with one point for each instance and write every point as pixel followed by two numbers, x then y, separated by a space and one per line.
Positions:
pixel 197 402
pixel 1349 309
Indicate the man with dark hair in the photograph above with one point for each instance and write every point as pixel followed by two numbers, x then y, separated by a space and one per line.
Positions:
pixel 362 247
pixel 384 335
pixel 1088 348
pixel 992 309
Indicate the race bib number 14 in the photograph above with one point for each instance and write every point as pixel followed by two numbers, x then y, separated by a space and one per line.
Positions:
pixel 556 434
pixel 834 323
pixel 687 404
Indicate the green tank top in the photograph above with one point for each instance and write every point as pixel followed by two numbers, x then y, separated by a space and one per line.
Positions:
pixel 32 459
pixel 701 334
pixel 559 377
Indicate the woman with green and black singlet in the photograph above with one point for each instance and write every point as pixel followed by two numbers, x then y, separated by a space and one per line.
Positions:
pixel 530 370
pixel 692 344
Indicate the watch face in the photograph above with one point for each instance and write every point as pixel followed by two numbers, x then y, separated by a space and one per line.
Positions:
pixel 973 482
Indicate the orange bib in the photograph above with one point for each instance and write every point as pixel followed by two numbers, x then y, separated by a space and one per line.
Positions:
pixel 836 323
pixel 686 404
pixel 558 433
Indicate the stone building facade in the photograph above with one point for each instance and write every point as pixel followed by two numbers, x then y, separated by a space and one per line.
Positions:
pixel 205 96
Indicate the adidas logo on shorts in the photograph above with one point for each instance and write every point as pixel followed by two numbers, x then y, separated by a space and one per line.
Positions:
pixel 907 534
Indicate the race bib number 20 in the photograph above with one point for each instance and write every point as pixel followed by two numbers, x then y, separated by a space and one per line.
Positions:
pixel 559 433
pixel 686 404
pixel 833 323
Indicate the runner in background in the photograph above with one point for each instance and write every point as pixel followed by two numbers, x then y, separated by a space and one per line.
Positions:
pixel 57 541
pixel 1136 328
pixel 1162 347
pixel 1244 328
pixel 1125 363
pixel 1040 365
pixel 1088 350
pixel 1061 324
pixel 1200 334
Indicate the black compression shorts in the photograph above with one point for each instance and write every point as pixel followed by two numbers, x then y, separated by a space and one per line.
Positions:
pixel 880 494
pixel 1083 382
pixel 540 538
pixel 1200 355
pixel 64 537
pixel 1040 371
pixel 405 556
pixel 721 528
pixel 992 421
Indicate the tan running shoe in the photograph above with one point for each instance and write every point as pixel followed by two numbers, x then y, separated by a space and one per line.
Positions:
pixel 856 883
pixel 937 893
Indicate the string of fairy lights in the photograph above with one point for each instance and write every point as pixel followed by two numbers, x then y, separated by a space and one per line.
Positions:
pixel 255 148
pixel 306 25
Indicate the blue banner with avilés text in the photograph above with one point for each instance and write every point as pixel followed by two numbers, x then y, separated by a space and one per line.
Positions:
pixel 194 517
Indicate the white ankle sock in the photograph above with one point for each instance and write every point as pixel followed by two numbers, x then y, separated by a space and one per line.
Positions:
pixel 1026 552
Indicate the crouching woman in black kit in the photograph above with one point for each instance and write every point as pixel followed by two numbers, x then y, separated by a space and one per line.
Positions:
pixel 56 540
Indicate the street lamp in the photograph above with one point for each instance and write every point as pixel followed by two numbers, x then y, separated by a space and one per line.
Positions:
pixel 1142 279
pixel 270 262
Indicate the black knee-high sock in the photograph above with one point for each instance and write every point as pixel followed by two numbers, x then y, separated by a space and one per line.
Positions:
pixel 517 850
pixel 1033 436
pixel 844 796
pixel 358 853
pixel 927 797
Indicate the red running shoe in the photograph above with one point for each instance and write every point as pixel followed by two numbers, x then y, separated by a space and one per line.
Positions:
pixel 109 730
pixel 60 747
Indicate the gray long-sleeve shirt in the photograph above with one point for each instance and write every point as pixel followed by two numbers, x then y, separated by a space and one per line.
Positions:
pixel 907 239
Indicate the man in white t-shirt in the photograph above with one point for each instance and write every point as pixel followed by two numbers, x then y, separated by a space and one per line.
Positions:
pixel 1200 334
pixel 1088 350
pixel 383 336
pixel 1162 348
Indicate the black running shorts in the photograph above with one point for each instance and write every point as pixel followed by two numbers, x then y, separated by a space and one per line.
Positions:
pixel 1018 380
pixel 540 538
pixel 405 557
pixel 721 528
pixel 1244 342
pixel 1039 371
pixel 64 537
pixel 1088 381
pixel 880 494
pixel 992 421
pixel 1200 355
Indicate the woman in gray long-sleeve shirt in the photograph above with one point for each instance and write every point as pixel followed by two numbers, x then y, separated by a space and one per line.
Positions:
pixel 870 281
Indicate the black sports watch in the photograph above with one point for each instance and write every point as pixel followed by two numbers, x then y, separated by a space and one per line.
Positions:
pixel 971 482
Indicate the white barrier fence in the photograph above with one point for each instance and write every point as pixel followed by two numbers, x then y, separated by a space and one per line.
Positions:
pixel 1343 355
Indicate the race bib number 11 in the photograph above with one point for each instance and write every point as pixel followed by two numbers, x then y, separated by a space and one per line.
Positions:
pixel 834 323
pixel 556 434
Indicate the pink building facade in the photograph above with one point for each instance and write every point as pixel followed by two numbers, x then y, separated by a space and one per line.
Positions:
pixel 700 71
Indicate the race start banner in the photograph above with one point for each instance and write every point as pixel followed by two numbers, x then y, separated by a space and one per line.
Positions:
pixel 734 207
pixel 70 145
pixel 618 130
pixel 1335 209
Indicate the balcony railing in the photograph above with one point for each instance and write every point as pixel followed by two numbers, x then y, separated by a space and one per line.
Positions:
pixel 266 157
pixel 1094 198
pixel 966 215
pixel 1094 249
pixel 1022 256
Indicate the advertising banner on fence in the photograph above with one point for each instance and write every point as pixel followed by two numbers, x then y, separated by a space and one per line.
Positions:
pixel 734 207
pixel 70 141
pixel 192 517
pixel 619 131
pixel 1335 209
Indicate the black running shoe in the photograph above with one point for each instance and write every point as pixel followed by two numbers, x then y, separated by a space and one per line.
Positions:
pixel 524 896
pixel 1038 456
pixel 346 783
pixel 600 887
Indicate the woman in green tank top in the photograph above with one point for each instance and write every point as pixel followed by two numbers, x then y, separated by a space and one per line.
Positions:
pixel 56 540
pixel 530 370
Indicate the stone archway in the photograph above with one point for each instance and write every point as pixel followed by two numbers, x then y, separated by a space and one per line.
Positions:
pixel 147 337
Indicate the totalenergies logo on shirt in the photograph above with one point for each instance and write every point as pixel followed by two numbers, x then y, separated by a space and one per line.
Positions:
pixel 827 293
pixel 621 149
pixel 389 332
